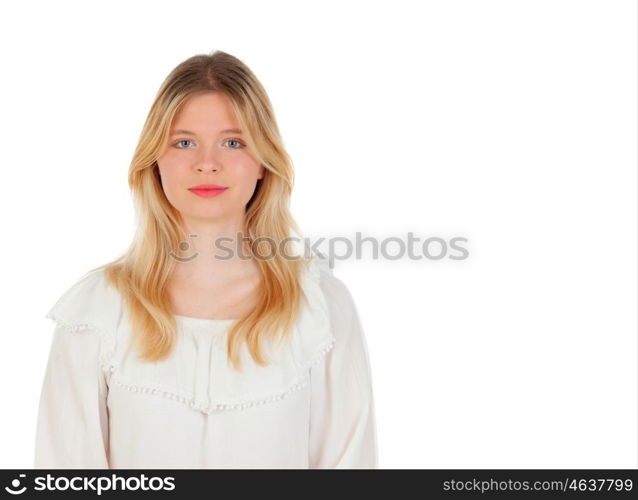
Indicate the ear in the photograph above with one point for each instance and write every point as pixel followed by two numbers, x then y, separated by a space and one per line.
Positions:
pixel 262 172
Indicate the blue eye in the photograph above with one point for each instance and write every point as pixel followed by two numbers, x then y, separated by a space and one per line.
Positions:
pixel 183 140
pixel 237 141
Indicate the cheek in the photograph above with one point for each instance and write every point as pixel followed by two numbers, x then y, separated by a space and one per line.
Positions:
pixel 248 178
pixel 173 166
pixel 247 169
pixel 173 179
pixel 170 162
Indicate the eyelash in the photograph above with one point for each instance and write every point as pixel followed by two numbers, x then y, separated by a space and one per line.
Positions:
pixel 232 139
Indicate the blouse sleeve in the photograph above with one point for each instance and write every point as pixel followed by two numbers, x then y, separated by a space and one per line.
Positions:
pixel 72 423
pixel 342 421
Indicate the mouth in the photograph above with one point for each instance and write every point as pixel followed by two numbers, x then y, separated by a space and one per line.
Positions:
pixel 207 191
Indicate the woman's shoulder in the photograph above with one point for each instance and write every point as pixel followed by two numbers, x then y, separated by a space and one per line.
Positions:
pixel 90 303
pixel 339 302
pixel 90 298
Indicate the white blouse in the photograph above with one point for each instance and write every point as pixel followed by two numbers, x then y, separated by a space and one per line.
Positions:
pixel 101 407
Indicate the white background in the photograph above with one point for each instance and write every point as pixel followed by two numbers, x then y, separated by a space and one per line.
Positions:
pixel 510 123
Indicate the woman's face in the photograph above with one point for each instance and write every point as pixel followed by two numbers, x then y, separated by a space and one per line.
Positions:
pixel 203 148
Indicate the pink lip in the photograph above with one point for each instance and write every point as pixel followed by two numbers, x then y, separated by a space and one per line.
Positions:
pixel 207 192
pixel 208 186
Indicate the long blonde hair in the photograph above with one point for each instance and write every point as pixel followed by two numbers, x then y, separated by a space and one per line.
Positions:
pixel 142 272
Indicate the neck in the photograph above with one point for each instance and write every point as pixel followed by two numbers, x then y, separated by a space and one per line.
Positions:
pixel 214 253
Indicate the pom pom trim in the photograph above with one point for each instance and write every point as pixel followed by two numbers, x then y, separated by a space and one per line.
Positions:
pixel 107 350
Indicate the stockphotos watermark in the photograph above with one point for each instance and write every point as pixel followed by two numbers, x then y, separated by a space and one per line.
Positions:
pixel 94 484
pixel 339 248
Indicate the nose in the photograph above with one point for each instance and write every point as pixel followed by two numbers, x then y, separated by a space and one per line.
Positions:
pixel 208 162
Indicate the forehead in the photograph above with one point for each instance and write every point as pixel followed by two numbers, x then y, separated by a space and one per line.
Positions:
pixel 205 113
pixel 192 132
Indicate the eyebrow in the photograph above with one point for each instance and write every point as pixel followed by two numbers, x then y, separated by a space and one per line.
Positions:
pixel 226 131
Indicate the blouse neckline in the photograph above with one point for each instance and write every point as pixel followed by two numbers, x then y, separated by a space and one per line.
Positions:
pixel 204 321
